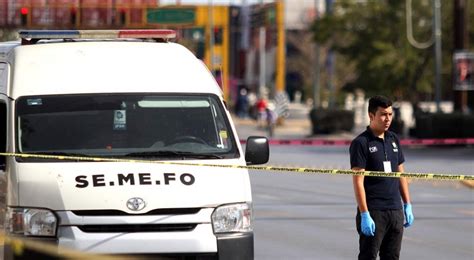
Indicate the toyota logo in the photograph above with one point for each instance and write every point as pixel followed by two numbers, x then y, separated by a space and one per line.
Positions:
pixel 136 204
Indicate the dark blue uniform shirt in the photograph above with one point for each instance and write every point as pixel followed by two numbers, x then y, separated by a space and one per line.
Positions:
pixel 369 152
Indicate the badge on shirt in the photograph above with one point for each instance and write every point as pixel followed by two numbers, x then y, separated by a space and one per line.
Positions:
pixel 395 147
pixel 387 166
pixel 373 149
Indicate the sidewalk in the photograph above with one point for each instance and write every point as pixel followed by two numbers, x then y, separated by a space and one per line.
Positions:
pixel 296 126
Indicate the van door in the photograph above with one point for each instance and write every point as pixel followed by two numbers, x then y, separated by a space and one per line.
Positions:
pixel 4 100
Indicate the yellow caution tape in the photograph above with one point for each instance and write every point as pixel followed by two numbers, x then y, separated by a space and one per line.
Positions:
pixel 424 176
pixel 19 246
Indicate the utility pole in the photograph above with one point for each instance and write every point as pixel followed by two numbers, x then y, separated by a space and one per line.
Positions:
pixel 281 46
pixel 437 49
pixel 211 36
pixel 316 96
pixel 330 63
pixel 261 50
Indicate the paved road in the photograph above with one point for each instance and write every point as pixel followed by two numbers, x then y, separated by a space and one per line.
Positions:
pixel 302 216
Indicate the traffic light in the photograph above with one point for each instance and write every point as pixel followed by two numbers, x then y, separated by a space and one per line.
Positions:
pixel 73 16
pixel 200 50
pixel 122 17
pixel 24 16
pixel 218 35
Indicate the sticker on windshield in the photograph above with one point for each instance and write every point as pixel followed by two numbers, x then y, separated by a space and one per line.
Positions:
pixel 34 102
pixel 223 134
pixel 120 120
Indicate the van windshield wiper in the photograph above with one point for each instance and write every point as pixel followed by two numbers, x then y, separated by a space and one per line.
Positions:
pixel 168 153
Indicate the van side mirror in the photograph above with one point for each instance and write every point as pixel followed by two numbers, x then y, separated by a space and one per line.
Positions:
pixel 257 150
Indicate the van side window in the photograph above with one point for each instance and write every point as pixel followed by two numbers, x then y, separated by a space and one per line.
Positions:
pixel 3 77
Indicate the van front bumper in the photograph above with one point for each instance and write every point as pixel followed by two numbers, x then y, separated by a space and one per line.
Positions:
pixel 199 241
pixel 229 246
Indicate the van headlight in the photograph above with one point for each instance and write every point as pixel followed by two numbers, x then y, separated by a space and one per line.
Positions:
pixel 31 222
pixel 233 218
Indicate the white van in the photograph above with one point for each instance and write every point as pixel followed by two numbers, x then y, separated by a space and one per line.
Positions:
pixel 134 96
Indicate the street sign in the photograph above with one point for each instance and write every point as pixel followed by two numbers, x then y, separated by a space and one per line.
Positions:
pixel 173 16
pixel 463 70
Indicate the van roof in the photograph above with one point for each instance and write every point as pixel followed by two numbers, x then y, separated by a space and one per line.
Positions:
pixel 5 48
pixel 107 66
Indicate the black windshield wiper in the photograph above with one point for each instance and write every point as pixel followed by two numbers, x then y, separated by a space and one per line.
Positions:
pixel 168 153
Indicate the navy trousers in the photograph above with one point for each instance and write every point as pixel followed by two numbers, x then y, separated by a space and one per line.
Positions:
pixel 388 235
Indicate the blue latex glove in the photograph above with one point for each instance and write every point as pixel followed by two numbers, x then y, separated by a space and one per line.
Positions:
pixel 367 224
pixel 408 215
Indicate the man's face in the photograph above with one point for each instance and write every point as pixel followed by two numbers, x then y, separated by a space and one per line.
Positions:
pixel 463 70
pixel 381 120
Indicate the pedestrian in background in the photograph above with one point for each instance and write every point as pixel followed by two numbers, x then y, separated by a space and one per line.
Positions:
pixel 262 104
pixel 271 118
pixel 242 106
pixel 252 104
pixel 381 217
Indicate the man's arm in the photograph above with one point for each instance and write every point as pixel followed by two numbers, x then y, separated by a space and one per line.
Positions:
pixel 404 191
pixel 359 190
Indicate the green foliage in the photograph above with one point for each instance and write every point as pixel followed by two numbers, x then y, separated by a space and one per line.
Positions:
pixel 8 35
pixel 373 35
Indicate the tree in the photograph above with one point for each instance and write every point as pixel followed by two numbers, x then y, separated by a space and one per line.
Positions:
pixel 372 35
pixel 8 35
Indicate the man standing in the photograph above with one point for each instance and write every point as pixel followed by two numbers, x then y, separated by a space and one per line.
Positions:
pixel 380 213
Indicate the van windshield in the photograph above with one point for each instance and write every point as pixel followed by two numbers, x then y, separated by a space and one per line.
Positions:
pixel 125 125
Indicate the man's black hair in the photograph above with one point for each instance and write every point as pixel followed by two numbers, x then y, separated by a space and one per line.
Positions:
pixel 378 101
